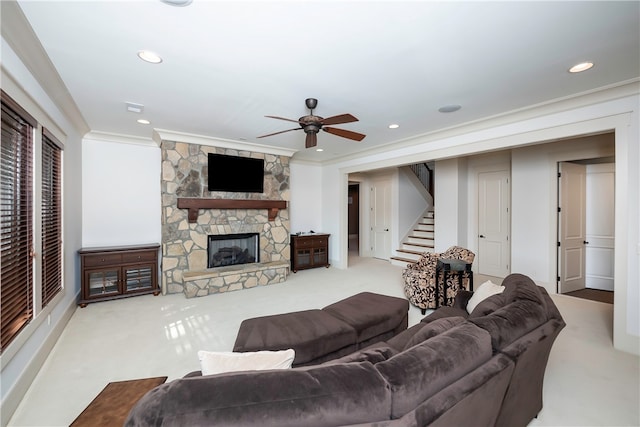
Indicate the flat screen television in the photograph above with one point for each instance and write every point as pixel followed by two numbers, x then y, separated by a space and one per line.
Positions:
pixel 235 174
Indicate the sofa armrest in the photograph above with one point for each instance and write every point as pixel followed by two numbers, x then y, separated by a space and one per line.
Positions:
pixel 462 299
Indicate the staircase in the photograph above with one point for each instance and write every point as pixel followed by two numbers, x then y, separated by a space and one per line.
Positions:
pixel 420 240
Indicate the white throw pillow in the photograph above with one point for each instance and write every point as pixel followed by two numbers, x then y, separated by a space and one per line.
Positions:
pixel 483 292
pixel 217 362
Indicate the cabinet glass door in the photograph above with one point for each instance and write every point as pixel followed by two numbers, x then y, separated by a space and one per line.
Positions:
pixel 103 282
pixel 303 257
pixel 138 278
pixel 320 256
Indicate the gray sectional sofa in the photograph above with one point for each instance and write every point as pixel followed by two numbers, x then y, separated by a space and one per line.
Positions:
pixel 452 369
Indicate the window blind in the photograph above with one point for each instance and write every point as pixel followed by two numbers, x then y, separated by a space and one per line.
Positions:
pixel 51 217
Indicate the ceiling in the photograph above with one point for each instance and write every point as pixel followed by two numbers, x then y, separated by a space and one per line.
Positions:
pixel 227 64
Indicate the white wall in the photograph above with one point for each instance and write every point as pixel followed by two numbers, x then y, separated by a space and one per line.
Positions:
pixel 534 202
pixel 411 205
pixel 121 192
pixel 451 203
pixel 305 207
pixel 614 109
pixel 22 359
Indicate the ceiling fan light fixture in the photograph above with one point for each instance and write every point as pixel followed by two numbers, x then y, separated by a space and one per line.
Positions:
pixel 583 66
pixel 394 126
pixel 148 56
pixel 449 108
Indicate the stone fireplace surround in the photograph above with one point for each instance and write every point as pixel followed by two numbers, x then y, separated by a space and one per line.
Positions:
pixel 184 241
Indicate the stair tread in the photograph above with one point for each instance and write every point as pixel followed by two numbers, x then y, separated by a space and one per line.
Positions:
pixel 403 259
pixel 421 245
pixel 409 251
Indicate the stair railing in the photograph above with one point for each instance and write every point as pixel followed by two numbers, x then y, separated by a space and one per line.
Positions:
pixel 425 175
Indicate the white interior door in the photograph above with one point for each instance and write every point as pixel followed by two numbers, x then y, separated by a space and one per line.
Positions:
pixel 600 231
pixel 381 219
pixel 493 258
pixel 572 226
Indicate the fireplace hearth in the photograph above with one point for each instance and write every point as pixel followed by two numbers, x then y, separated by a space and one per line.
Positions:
pixel 232 249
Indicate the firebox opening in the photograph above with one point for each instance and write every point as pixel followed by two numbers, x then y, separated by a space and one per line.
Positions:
pixel 233 249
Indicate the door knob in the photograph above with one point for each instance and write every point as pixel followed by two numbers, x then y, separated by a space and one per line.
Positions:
pixel 386 229
pixel 585 242
pixel 481 236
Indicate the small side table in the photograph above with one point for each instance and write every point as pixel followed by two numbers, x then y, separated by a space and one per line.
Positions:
pixel 446 266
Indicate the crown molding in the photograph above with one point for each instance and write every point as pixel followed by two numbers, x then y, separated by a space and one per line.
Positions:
pixel 119 138
pixel 595 96
pixel 160 135
pixel 17 32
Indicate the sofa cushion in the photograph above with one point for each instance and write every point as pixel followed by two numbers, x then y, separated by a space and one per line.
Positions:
pixel 373 354
pixel 217 362
pixel 420 371
pixel 483 292
pixel 512 321
pixel 339 394
pixel 311 333
pixel 488 306
pixel 473 400
pixel 432 329
pixel 371 314
pixel 521 287
pixel 399 342
pixel 445 311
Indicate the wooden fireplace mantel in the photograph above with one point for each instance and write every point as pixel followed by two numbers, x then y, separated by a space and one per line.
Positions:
pixel 195 204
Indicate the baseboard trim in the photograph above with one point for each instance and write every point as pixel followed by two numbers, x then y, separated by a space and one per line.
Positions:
pixel 17 392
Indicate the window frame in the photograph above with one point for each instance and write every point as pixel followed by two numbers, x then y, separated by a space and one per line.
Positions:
pixel 40 312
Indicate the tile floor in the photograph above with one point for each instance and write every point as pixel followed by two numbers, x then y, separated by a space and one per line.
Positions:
pixel 587 383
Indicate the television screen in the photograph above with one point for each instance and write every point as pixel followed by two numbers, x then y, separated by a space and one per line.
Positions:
pixel 235 174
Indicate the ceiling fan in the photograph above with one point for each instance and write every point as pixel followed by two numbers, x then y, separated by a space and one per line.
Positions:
pixel 312 124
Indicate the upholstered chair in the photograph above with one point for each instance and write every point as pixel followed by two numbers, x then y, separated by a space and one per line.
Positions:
pixel 424 289
pixel 420 281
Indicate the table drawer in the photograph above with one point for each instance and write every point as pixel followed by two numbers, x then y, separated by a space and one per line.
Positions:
pixel 99 260
pixel 139 256
pixel 306 242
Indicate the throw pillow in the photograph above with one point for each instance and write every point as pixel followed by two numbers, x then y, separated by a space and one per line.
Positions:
pixel 483 292
pixel 217 362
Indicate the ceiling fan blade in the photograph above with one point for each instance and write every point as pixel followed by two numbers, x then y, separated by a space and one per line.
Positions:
pixel 311 141
pixel 338 120
pixel 276 133
pixel 283 118
pixel 345 133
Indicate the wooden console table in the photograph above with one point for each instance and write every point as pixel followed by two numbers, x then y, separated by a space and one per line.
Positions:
pixel 309 250
pixel 118 272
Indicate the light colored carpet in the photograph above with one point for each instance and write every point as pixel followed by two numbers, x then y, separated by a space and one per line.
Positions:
pixel 588 383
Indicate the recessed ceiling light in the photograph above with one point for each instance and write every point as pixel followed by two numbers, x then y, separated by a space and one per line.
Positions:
pixel 178 3
pixel 319 149
pixel 148 56
pixel 449 108
pixel 143 122
pixel 394 126
pixel 583 66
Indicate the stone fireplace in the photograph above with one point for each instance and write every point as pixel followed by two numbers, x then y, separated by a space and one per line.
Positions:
pixel 186 233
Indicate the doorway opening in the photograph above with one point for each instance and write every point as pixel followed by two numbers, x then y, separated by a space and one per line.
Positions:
pixel 354 219
pixel 586 228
